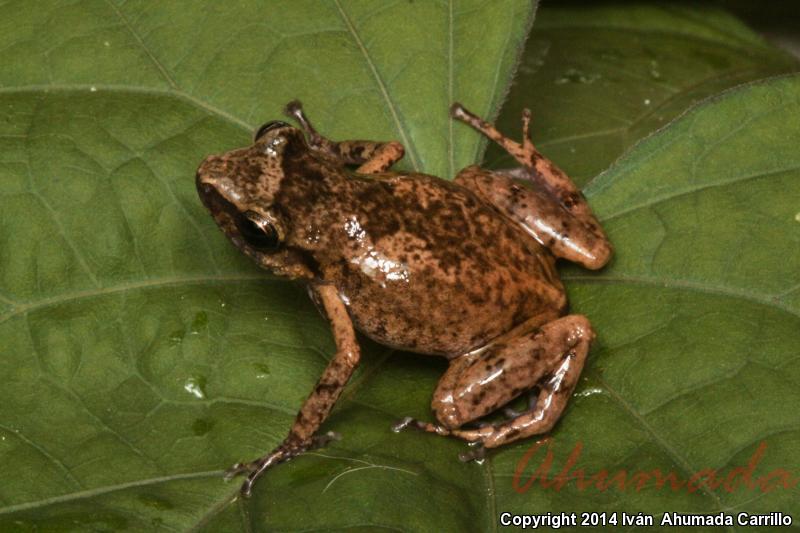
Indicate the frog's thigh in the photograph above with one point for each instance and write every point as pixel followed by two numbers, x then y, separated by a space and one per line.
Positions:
pixel 572 237
pixel 550 357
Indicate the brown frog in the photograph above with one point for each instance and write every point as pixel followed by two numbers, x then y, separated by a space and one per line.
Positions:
pixel 462 269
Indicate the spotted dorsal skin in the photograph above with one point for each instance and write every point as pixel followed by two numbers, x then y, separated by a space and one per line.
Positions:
pixel 462 269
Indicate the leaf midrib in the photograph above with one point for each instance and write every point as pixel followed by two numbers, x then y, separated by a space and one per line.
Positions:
pixel 106 489
pixel 150 283
pixel 401 129
pixel 689 285
pixel 96 88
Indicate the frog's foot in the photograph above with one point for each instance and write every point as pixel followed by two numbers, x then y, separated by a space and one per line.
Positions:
pixel 409 422
pixel 294 109
pixel 577 236
pixel 546 359
pixel 472 435
pixel 533 396
pixel 475 454
pixel 523 152
pixel 371 157
pixel 286 451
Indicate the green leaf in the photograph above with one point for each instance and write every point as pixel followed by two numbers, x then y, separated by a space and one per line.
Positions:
pixel 600 77
pixel 698 317
pixel 141 354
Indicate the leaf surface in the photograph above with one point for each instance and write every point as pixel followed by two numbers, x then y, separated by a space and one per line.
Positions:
pixel 698 318
pixel 600 77
pixel 141 354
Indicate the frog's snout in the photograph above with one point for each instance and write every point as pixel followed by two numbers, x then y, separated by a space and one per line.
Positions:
pixel 211 167
pixel 206 179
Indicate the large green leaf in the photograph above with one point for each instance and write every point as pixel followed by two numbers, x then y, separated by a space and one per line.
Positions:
pixel 598 77
pixel 141 355
pixel 698 316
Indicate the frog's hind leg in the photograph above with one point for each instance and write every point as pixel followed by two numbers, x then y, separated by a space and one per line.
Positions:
pixel 371 156
pixel 550 358
pixel 554 211
pixel 539 168
pixel 577 239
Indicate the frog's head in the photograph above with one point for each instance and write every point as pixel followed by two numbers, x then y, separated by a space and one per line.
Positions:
pixel 240 189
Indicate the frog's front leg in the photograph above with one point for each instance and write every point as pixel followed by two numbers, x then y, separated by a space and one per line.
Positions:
pixel 554 211
pixel 371 156
pixel 318 405
pixel 549 357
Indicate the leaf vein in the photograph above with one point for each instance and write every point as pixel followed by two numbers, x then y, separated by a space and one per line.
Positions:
pixel 144 284
pixel 144 47
pixel 382 87
pixel 691 190
pixel 100 491
pixel 769 301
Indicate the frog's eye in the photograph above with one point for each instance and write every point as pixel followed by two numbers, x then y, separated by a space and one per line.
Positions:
pixel 269 126
pixel 259 233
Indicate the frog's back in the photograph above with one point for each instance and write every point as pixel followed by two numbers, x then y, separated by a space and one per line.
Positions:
pixel 430 268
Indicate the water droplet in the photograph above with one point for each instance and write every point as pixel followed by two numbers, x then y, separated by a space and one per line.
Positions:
pixel 200 321
pixel 262 370
pixel 223 304
pixel 176 337
pixel 194 386
pixel 106 43
pixel 654 72
pixel 797 217
pixel 646 101
pixel 93 89
pixel 573 75
pixel 201 426
pixel 610 55
pixel 591 391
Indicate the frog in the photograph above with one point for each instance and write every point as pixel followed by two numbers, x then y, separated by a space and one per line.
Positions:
pixel 463 269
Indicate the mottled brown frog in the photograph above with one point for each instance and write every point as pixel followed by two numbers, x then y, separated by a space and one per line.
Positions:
pixel 463 269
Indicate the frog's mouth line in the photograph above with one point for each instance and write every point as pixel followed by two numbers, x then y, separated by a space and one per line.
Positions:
pixel 224 212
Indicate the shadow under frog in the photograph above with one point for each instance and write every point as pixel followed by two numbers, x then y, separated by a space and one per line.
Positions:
pixel 464 269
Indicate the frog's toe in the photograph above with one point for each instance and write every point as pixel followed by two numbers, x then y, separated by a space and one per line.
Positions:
pixel 286 451
pixel 238 468
pixel 476 454
pixel 419 424
pixel 293 108
pixel 400 425
pixel 254 470
pixel 533 396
